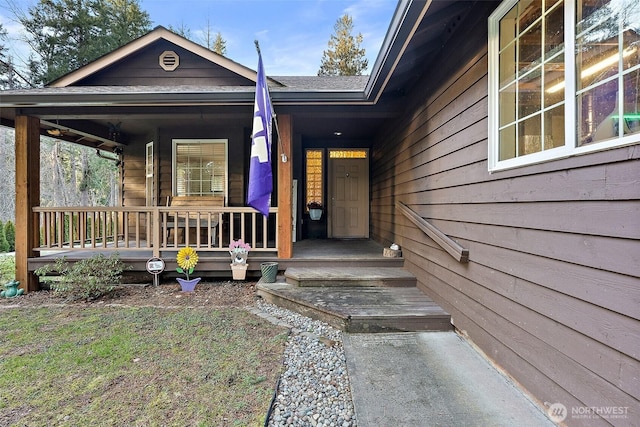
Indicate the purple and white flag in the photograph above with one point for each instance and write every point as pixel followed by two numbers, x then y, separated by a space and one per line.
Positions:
pixel 260 175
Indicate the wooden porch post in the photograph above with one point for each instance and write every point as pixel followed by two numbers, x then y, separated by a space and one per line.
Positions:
pixel 285 182
pixel 27 196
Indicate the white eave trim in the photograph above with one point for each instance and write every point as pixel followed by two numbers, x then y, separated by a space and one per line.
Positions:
pixel 158 98
pixel 387 60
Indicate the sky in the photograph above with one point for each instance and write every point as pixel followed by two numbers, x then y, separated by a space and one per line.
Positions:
pixel 292 33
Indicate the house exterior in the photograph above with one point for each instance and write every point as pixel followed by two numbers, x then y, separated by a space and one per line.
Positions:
pixel 512 128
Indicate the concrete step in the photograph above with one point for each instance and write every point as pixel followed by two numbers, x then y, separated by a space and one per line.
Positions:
pixel 349 277
pixel 361 309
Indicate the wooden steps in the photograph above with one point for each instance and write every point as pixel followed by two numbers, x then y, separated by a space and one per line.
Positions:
pixel 350 276
pixel 357 299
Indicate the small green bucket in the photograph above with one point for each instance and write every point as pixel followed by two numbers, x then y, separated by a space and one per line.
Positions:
pixel 269 271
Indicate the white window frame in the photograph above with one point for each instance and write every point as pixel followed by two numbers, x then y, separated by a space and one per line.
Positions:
pixel 571 146
pixel 176 142
pixel 149 175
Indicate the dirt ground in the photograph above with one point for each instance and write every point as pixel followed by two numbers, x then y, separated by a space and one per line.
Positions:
pixel 167 294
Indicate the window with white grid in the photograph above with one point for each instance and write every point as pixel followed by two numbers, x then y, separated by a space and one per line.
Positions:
pixel 200 167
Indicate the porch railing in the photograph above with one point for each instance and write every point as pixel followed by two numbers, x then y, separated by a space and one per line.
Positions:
pixel 154 228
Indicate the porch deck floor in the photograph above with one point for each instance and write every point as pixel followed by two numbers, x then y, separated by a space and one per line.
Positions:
pixel 337 249
pixel 306 253
pixel 304 249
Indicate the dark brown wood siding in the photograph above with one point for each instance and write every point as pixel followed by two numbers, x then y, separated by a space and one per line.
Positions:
pixel 143 69
pixel 134 176
pixel 552 290
pixel 235 156
pixel 133 181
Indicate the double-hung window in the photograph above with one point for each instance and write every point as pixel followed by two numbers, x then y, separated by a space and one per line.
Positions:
pixel 200 167
pixel 564 79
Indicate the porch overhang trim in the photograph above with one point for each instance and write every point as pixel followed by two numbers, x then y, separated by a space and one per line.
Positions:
pixel 406 19
pixel 79 133
pixel 175 99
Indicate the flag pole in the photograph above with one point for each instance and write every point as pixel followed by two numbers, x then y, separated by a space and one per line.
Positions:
pixel 275 117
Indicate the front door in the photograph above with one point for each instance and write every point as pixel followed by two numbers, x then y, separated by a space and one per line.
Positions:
pixel 348 194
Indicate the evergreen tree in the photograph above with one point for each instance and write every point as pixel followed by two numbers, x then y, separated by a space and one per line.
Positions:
pixel 67 34
pixel 4 245
pixel 344 57
pixel 3 37
pixel 5 62
pixel 10 235
pixel 9 76
pixel 219 45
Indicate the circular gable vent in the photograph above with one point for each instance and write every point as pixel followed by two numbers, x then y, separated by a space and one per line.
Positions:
pixel 169 60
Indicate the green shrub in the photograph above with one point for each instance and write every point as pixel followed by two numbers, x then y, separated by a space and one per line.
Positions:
pixel 7 268
pixel 10 234
pixel 4 245
pixel 87 279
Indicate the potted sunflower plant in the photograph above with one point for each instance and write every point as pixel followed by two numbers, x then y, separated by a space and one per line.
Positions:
pixel 187 259
pixel 239 251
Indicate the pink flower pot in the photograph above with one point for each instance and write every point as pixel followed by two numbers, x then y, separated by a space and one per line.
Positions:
pixel 239 271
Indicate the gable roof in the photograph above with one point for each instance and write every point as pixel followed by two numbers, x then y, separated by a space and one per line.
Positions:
pixel 157 34
pixel 319 83
pixel 413 40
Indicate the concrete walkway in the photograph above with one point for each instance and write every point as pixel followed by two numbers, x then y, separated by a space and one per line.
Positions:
pixel 431 379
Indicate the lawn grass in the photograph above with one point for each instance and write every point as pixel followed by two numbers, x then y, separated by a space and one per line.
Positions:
pixel 80 366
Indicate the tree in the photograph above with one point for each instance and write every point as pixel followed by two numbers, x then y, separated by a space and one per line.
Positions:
pixel 219 45
pixel 10 235
pixel 8 167
pixel 214 43
pixel 344 56
pixel 74 175
pixel 6 66
pixel 183 30
pixel 4 245
pixel 67 34
pixel 8 74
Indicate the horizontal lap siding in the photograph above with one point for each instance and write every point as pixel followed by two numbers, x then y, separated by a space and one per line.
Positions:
pixel 143 68
pixel 133 183
pixel 235 157
pixel 552 289
pixel 541 311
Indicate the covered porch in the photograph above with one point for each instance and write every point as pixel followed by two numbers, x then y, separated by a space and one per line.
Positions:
pixel 192 139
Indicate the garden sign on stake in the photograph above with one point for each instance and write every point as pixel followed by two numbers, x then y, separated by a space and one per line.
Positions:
pixel 155 266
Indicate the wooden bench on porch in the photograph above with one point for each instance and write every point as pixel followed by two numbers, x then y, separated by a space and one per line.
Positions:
pixel 195 221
